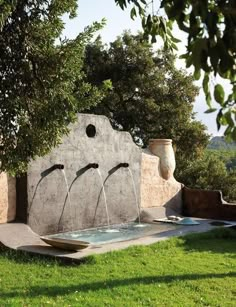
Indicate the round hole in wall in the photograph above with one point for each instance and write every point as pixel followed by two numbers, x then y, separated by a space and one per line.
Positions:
pixel 91 131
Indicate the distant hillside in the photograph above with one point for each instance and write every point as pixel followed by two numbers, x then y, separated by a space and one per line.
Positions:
pixel 218 142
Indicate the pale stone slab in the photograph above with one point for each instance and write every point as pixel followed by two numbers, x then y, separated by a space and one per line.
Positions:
pixel 7 198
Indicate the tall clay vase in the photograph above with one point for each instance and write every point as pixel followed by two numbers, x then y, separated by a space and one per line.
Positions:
pixel 164 150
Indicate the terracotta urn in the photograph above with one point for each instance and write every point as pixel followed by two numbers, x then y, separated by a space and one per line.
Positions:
pixel 163 149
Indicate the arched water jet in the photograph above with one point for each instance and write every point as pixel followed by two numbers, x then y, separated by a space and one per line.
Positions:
pixel 136 199
pixel 126 165
pixel 68 194
pixel 106 207
pixel 104 195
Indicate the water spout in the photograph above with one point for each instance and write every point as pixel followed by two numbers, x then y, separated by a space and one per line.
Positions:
pixel 123 165
pixel 93 165
pixel 58 166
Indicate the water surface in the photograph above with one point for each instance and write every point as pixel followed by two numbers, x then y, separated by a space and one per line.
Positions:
pixel 116 233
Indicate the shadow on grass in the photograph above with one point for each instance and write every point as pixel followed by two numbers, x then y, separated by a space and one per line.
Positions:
pixel 219 240
pixel 109 284
pixel 24 257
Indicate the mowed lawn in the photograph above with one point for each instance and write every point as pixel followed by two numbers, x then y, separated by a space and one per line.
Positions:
pixel 195 270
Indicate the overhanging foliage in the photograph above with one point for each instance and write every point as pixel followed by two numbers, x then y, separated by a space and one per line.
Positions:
pixel 41 83
pixel 211 47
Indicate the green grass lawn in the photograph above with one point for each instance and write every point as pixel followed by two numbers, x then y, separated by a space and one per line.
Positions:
pixel 196 270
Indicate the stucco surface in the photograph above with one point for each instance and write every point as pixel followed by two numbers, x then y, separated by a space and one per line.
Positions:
pixel 155 190
pixel 49 209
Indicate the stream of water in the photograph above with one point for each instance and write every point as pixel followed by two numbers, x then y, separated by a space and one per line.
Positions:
pixel 136 198
pixel 68 196
pixel 105 198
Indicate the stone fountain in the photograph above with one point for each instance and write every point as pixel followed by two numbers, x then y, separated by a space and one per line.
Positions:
pixel 40 197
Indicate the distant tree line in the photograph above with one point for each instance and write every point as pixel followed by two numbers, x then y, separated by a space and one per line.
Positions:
pixel 220 143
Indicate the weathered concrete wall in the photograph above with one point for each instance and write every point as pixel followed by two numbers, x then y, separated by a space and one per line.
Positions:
pixel 42 198
pixel 155 190
pixel 7 198
pixel 49 209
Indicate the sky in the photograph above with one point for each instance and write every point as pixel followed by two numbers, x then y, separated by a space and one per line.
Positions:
pixel 116 22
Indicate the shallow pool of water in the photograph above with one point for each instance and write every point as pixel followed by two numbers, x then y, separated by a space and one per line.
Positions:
pixel 116 233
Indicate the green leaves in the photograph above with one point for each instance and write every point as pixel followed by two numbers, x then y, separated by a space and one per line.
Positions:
pixel 197 74
pixel 210 26
pixel 140 4
pixel 227 119
pixel 234 134
pixel 205 83
pixel 107 84
pixel 199 49
pixel 148 93
pixel 211 171
pixel 133 13
pixel 210 110
pixel 153 25
pixel 6 8
pixel 43 87
pixel 219 94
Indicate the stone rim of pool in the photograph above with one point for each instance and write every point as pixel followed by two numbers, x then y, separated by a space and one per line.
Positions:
pixel 20 237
